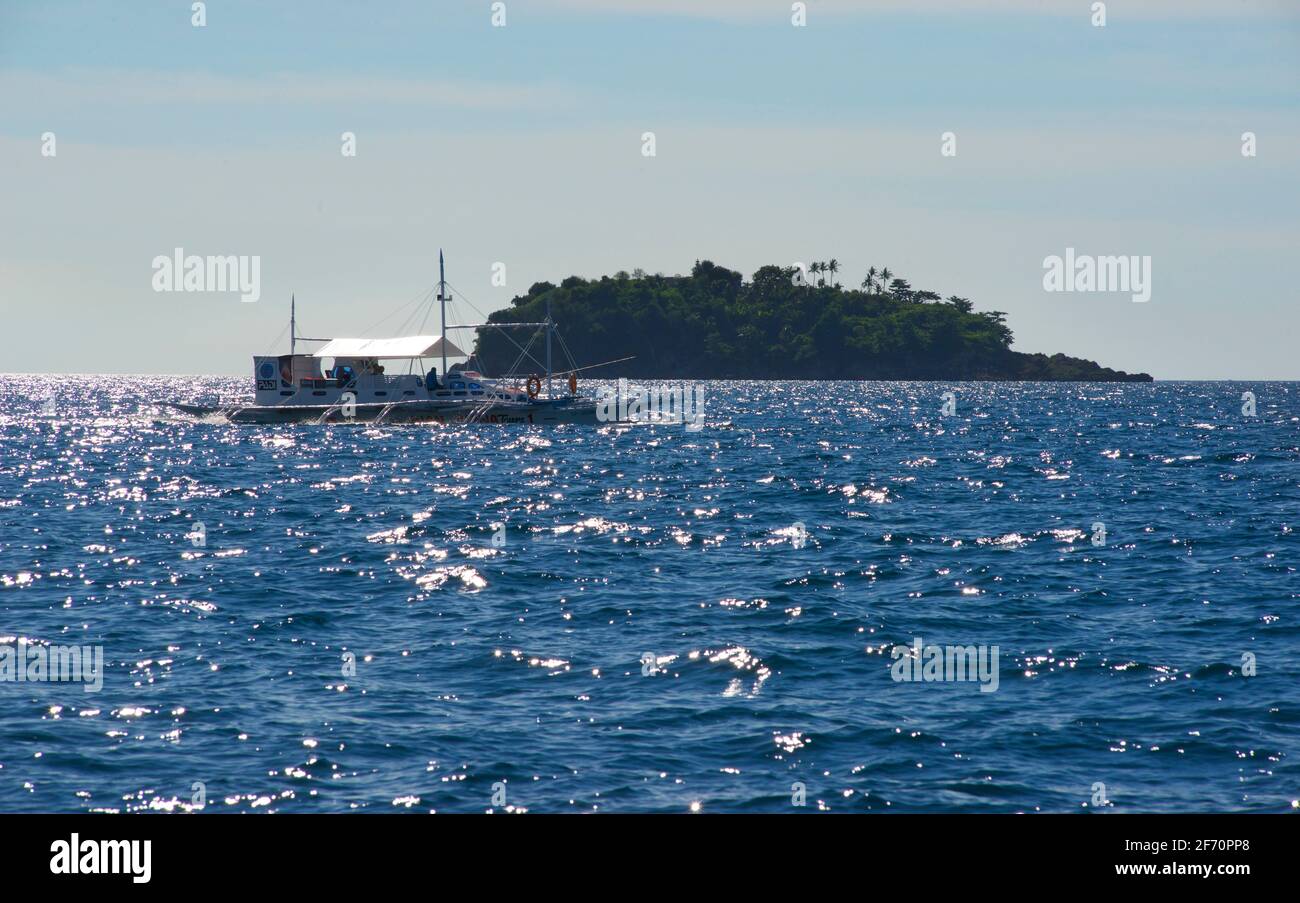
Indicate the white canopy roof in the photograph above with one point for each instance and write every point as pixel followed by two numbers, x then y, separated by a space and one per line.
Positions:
pixel 407 346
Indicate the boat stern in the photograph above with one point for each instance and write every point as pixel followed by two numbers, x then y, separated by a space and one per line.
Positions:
pixel 273 375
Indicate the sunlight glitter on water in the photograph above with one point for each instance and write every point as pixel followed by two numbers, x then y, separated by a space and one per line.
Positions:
pixel 255 586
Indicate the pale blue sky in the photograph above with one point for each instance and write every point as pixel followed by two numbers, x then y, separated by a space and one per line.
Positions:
pixel 523 145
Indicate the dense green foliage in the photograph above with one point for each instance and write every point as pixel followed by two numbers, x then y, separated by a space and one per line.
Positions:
pixel 713 325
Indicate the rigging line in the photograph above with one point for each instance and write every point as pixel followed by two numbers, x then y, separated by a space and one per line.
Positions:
pixel 525 353
pixel 510 373
pixel 410 318
pixel 536 335
pixel 271 351
pixel 454 314
pixel 465 298
pixel 428 310
pixel 403 329
pixel 565 347
pixel 416 300
pixel 431 299
pixel 499 327
pixel 630 357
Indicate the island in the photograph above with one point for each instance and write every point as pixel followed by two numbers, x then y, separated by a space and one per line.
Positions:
pixel 784 323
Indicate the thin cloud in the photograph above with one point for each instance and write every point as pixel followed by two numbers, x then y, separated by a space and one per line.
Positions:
pixel 1117 10
pixel 140 87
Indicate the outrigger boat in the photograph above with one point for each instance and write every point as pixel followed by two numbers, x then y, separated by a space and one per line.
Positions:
pixel 298 388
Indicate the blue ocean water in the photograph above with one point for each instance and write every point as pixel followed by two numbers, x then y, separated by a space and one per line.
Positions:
pixel 516 668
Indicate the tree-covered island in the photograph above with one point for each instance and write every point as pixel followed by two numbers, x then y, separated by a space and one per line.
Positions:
pixel 780 325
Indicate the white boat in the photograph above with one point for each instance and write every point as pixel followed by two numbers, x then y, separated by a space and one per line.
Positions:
pixel 356 387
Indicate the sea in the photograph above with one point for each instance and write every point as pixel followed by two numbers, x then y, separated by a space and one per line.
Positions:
pixel 855 597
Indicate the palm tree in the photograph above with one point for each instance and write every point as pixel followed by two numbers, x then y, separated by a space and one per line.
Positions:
pixel 870 282
pixel 885 276
pixel 815 267
pixel 833 267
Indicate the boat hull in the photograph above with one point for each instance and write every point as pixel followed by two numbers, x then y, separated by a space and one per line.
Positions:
pixel 540 411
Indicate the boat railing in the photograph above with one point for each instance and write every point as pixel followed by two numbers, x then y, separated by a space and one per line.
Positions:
pixel 318 382
pixel 371 379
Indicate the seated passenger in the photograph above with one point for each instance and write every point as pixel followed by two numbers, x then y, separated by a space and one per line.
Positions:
pixel 432 379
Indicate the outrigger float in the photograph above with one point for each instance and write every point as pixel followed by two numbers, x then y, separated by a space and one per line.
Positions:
pixel 299 388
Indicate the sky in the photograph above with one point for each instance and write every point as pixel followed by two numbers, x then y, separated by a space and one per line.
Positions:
pixel 519 149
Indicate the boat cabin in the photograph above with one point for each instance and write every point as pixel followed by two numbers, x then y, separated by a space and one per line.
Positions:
pixel 374 371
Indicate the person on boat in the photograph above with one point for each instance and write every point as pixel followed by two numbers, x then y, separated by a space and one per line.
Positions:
pixel 432 379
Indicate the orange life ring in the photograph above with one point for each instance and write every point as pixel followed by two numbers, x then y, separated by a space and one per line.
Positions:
pixel 573 384
pixel 534 386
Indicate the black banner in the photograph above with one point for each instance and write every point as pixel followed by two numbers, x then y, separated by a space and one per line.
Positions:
pixel 333 853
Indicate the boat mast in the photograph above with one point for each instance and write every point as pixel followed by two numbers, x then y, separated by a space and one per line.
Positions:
pixel 293 324
pixel 442 300
pixel 548 346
